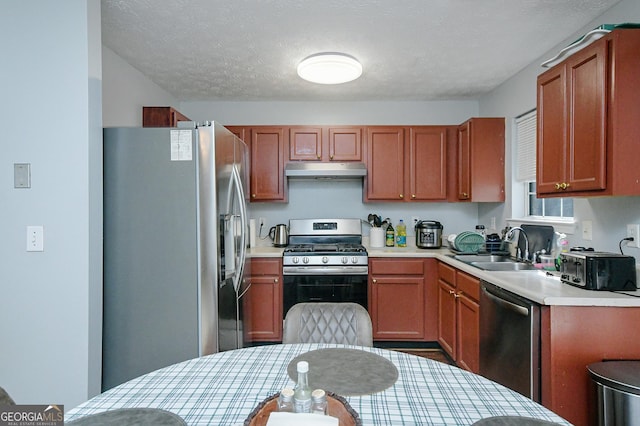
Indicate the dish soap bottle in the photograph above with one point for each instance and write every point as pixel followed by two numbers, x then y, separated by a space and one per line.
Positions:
pixel 390 236
pixel 563 247
pixel 302 391
pixel 401 238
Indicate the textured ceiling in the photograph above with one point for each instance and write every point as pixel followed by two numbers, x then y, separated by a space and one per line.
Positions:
pixel 410 49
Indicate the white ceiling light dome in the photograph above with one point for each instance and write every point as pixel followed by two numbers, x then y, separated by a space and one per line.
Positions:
pixel 330 68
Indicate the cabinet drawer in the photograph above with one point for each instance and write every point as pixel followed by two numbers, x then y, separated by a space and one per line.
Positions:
pixel 469 285
pixel 396 267
pixel 266 267
pixel 446 273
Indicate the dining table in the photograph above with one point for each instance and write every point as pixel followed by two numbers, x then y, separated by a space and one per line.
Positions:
pixel 226 387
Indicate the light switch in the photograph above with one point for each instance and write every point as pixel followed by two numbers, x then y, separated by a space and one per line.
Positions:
pixel 22 175
pixel 35 238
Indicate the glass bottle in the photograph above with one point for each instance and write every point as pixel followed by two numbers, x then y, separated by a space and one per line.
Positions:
pixel 302 391
pixel 319 402
pixel 285 401
pixel 401 237
pixel 390 239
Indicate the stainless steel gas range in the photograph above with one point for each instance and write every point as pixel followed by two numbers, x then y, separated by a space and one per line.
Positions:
pixel 325 261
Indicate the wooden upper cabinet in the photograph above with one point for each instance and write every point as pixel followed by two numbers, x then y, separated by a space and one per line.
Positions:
pixel 480 160
pixel 587 120
pixel 345 143
pixel 161 117
pixel 427 158
pixel 240 132
pixel 407 164
pixel 305 143
pixel 325 143
pixel 267 164
pixel 385 160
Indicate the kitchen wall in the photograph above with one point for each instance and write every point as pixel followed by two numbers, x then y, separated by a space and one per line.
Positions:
pixel 51 301
pixel 127 90
pixel 609 215
pixel 313 199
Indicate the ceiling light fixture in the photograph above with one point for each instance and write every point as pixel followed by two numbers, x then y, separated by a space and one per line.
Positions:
pixel 329 68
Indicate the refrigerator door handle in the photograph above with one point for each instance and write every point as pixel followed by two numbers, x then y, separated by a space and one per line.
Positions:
pixel 242 250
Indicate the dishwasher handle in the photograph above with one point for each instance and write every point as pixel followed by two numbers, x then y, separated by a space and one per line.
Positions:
pixel 521 310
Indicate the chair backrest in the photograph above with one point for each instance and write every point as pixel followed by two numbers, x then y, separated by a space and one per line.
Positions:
pixel 322 322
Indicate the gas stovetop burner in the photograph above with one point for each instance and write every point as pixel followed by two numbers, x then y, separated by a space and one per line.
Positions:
pixel 312 249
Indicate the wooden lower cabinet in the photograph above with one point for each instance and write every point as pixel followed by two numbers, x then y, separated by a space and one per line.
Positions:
pixel 459 316
pixel 572 337
pixel 262 304
pixel 402 299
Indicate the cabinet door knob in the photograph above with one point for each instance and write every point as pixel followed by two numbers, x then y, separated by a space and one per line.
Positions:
pixel 413 195
pixel 275 281
pixel 452 292
pixel 374 281
pixel 558 186
pixel 331 157
pixel 319 157
pixel 253 195
pixel 465 195
pixel 401 195
pixel 565 185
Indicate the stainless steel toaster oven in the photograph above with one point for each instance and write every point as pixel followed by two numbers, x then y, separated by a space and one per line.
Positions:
pixel 598 270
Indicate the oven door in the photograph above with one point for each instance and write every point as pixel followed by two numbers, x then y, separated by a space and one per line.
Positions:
pixel 324 288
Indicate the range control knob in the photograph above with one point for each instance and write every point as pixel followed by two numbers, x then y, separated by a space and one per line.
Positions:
pixel 305 259
pixel 325 259
pixel 295 259
pixel 344 260
pixel 354 259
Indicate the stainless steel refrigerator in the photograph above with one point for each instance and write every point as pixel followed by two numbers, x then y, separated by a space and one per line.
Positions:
pixel 175 237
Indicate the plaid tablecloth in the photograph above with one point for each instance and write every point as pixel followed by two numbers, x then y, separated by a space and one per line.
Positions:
pixel 222 389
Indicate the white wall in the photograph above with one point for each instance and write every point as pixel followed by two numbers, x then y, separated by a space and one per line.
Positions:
pixel 50 301
pixel 609 215
pixel 126 90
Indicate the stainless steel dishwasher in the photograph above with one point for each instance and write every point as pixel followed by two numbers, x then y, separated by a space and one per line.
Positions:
pixel 510 340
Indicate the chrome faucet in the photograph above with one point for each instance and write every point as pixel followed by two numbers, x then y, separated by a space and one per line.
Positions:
pixel 508 238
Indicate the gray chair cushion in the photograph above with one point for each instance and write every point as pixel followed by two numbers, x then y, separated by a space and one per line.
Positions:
pixel 5 399
pixel 130 416
pixel 346 323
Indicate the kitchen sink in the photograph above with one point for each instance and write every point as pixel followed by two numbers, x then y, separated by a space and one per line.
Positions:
pixel 509 265
pixel 494 262
pixel 469 258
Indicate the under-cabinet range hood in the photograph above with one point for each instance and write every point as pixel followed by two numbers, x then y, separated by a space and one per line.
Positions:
pixel 329 170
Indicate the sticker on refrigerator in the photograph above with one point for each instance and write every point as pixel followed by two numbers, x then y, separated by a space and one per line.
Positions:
pixel 181 145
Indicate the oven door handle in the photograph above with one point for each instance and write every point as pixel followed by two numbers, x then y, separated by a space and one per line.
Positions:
pixel 310 270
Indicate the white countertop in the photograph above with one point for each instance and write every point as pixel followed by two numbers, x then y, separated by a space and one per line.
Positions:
pixel 537 286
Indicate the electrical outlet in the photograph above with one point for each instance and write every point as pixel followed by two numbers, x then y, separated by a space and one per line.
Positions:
pixel 415 220
pixel 633 230
pixel 261 222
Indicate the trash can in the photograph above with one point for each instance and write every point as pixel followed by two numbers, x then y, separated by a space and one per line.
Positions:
pixel 618 392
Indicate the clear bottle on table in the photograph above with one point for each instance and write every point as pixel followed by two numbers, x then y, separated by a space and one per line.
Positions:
pixel 302 391
pixel 285 401
pixel 319 402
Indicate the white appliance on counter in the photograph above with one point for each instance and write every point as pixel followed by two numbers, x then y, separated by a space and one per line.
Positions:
pixel 175 237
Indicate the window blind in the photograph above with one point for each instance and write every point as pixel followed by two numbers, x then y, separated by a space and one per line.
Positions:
pixel 526 146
